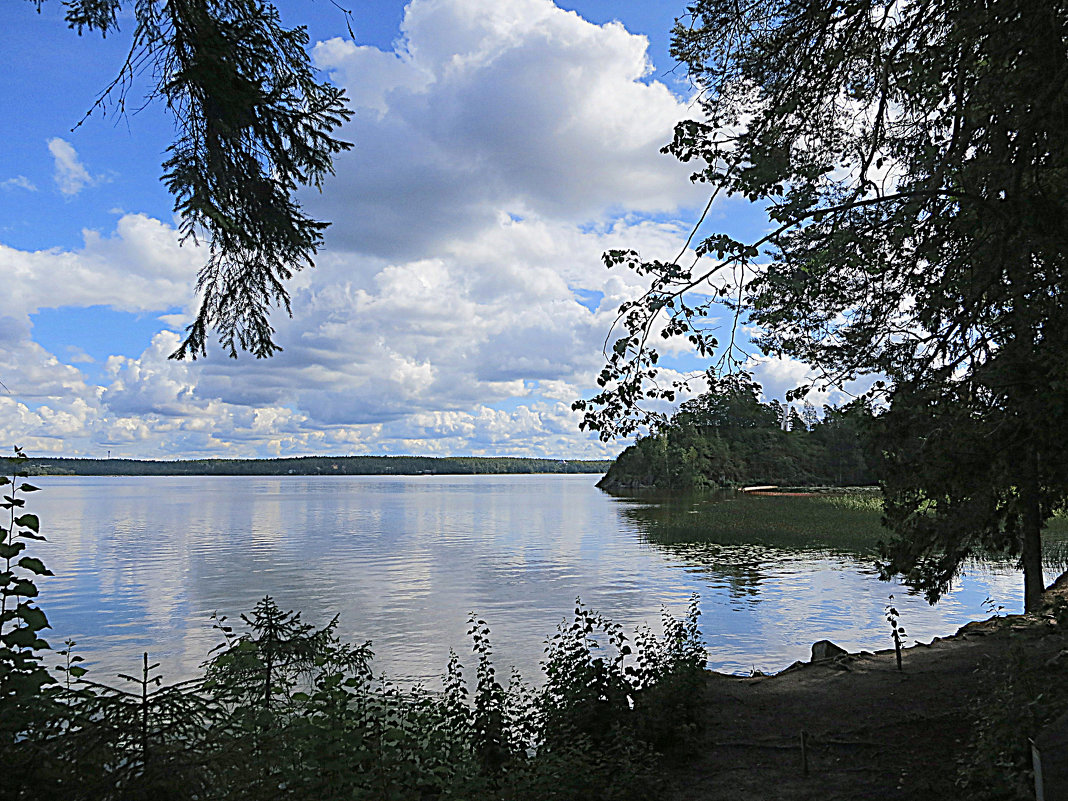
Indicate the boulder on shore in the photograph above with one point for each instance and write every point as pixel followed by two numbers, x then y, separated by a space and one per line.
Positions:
pixel 825 649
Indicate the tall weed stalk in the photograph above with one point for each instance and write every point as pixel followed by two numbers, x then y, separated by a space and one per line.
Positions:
pixel 287 710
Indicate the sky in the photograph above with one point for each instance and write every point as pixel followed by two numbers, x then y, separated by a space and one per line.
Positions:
pixel 459 305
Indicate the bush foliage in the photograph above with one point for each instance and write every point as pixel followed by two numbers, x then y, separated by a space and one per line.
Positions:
pixel 285 710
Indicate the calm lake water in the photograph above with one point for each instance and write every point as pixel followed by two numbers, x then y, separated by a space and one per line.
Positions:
pixel 141 563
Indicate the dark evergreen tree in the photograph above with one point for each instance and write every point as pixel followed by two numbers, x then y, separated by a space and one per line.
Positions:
pixel 729 437
pixel 253 125
pixel 913 160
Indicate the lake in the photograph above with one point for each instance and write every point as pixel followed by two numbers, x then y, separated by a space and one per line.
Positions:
pixel 142 562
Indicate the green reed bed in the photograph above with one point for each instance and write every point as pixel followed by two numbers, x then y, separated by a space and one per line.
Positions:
pixel 846 522
pixel 835 520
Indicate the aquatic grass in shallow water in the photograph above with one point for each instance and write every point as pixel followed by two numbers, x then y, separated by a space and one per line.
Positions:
pixel 826 521
pixel 1055 542
pixel 835 522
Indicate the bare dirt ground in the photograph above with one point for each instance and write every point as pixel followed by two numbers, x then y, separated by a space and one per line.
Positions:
pixel 872 731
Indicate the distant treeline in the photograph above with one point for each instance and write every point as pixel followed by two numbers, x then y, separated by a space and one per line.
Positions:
pixel 310 466
pixel 730 438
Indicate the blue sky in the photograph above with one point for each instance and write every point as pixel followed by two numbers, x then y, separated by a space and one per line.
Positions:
pixel 460 303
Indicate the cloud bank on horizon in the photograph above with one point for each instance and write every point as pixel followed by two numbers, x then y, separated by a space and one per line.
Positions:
pixel 460 304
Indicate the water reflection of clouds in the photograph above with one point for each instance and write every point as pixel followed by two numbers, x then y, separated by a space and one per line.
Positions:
pixel 794 597
pixel 141 564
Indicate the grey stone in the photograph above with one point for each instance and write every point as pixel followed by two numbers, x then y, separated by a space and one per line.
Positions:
pixel 825 649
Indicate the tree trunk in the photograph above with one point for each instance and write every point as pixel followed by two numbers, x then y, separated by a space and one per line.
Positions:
pixel 1031 546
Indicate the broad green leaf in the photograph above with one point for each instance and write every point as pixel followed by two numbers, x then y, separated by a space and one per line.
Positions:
pixel 11 550
pixel 20 638
pixel 30 521
pixel 34 618
pixel 27 589
pixel 35 565
pixel 29 684
pixel 28 488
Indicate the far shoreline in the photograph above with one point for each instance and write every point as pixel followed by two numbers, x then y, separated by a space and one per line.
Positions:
pixel 310 466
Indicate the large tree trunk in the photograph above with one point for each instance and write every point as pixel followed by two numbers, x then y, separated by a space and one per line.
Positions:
pixel 1031 546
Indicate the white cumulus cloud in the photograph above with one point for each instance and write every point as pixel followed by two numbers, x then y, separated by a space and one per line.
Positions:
pixel 71 175
pixel 487 106
pixel 18 182
pixel 460 304
pixel 140 267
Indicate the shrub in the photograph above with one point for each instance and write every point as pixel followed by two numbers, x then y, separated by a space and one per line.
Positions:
pixel 286 710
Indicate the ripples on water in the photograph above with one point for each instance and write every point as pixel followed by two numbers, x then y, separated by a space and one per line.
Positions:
pixel 141 563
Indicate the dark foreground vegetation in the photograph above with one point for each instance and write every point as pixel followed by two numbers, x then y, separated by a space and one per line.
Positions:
pixel 308 466
pixel 285 710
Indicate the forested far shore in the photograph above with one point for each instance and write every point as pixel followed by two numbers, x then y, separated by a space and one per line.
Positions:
pixel 731 438
pixel 309 466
